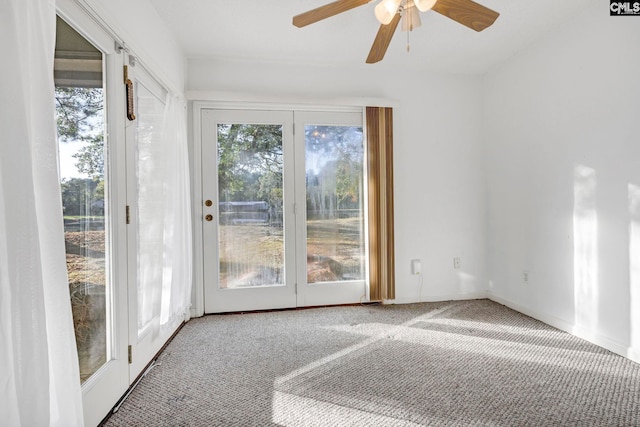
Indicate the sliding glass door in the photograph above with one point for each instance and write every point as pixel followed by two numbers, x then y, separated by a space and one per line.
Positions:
pixel 331 232
pixel 80 105
pixel 127 214
pixel 87 72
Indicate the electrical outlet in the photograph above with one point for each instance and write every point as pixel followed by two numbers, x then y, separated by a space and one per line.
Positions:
pixel 456 263
pixel 416 267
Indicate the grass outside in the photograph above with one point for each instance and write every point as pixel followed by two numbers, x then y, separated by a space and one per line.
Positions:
pixel 87 278
pixel 253 254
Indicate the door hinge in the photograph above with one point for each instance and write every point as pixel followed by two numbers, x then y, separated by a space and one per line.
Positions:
pixel 129 352
pixel 128 216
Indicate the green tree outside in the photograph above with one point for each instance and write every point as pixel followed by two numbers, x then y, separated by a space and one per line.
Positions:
pixel 79 118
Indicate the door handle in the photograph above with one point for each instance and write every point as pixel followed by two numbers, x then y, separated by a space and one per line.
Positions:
pixel 208 203
pixel 209 217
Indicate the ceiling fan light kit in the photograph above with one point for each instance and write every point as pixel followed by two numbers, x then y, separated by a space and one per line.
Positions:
pixel 389 12
pixel 424 5
pixel 386 10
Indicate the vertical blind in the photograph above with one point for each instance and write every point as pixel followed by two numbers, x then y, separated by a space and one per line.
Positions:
pixel 380 176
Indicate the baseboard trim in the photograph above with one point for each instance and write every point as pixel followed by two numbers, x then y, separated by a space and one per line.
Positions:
pixel 439 298
pixel 597 339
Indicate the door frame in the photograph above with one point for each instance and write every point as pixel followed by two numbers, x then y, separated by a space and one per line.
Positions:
pixel 210 100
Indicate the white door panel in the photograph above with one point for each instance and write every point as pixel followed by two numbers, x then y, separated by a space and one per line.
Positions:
pixel 94 229
pixel 331 232
pixel 146 198
pixel 248 221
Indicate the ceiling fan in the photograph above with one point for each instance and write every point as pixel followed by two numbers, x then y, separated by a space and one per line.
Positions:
pixel 389 13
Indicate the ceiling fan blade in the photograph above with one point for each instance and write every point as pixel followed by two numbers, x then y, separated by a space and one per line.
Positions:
pixel 383 38
pixel 326 11
pixel 467 12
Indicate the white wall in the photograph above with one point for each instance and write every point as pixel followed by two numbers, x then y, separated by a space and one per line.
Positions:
pixel 439 185
pixel 563 175
pixel 138 24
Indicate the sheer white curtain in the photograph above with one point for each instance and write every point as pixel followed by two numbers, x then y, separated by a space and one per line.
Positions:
pixel 151 193
pixel 164 236
pixel 176 276
pixel 39 376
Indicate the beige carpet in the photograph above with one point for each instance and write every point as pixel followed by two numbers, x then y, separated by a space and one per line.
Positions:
pixel 466 363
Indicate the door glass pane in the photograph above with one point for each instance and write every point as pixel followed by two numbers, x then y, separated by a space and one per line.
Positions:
pixel 151 198
pixel 81 129
pixel 335 221
pixel 250 194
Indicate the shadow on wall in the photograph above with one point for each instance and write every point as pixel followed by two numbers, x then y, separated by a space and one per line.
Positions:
pixel 467 283
pixel 585 259
pixel 634 270
pixel 585 250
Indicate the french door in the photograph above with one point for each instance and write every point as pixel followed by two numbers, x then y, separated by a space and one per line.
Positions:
pixel 88 76
pixel 114 171
pixel 249 226
pixel 150 325
pixel 330 188
pixel 283 212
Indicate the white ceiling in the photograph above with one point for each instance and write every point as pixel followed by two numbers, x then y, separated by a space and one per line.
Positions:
pixel 262 30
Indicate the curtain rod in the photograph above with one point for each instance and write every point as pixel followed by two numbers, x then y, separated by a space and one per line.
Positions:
pixel 121 46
